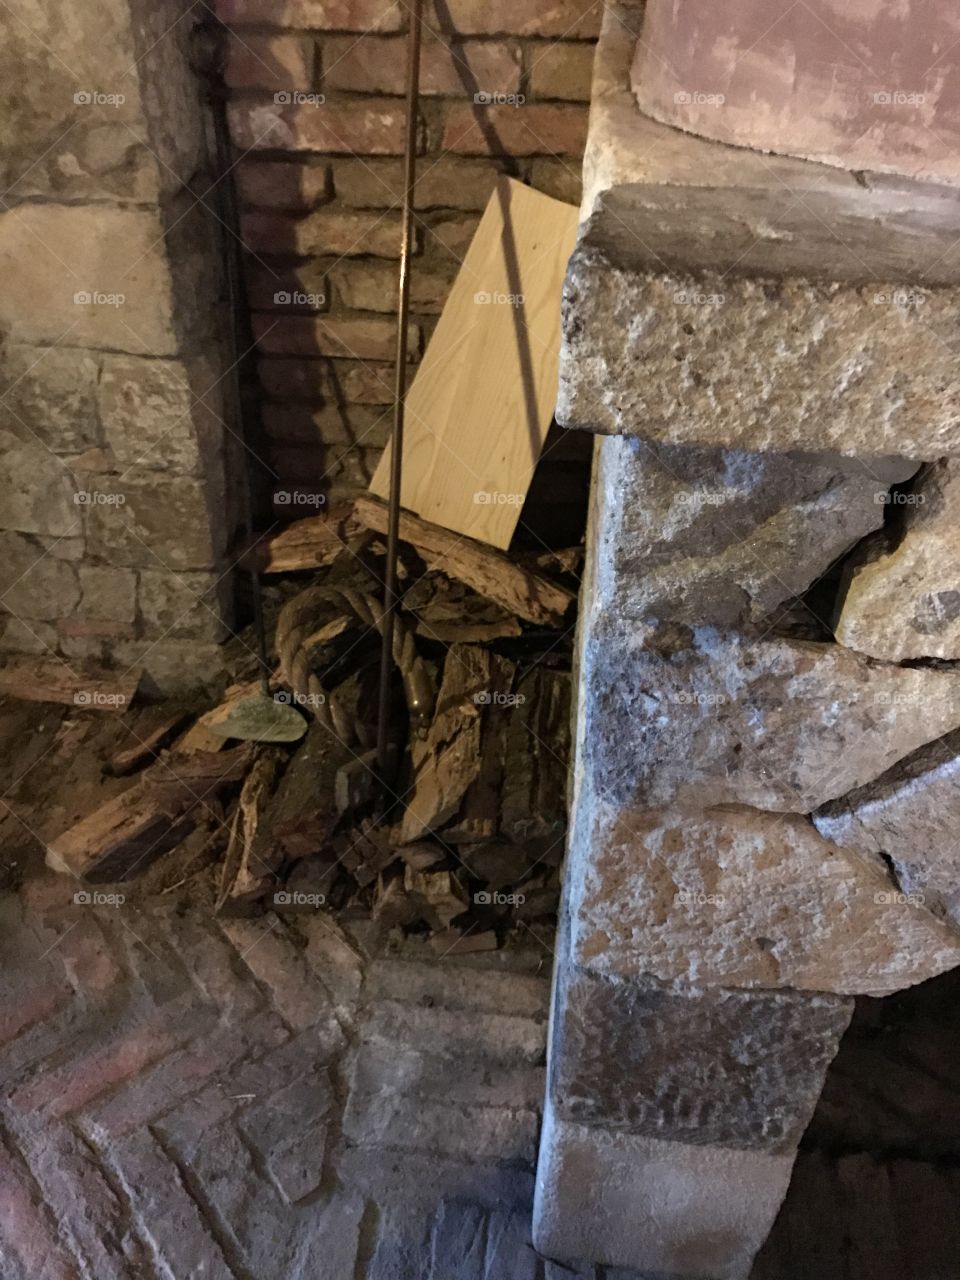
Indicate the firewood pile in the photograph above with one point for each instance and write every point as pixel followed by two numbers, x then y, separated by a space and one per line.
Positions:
pixel 463 840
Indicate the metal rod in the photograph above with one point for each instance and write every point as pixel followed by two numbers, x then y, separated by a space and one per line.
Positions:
pixel 390 598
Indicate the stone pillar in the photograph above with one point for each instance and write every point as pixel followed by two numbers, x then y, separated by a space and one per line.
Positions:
pixel 748 728
pixel 111 369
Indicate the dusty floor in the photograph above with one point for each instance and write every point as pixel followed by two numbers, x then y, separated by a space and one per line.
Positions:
pixel 184 1098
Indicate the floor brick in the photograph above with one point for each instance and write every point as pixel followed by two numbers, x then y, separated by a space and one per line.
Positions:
pixel 28 1236
pixel 459 1240
pixel 267 949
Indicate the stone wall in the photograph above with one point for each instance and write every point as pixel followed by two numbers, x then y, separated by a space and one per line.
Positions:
pixel 117 512
pixel 317 116
pixel 765 794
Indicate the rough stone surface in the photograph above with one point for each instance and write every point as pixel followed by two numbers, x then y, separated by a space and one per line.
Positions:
pixel 182 604
pixel 150 412
pixel 705 1066
pixel 910 814
pixel 39 489
pixel 704 717
pixel 659 1207
pixel 108 594
pixel 758 362
pixel 48 394
pixel 709 535
pixel 114 293
pixel 33 584
pixel 903 601
pixel 745 899
pixel 152 521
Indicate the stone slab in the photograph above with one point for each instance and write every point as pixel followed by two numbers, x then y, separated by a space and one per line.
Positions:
pixel 912 815
pixel 902 597
pixel 705 717
pixel 687 1212
pixel 739 898
pixel 723 536
pixel 706 1066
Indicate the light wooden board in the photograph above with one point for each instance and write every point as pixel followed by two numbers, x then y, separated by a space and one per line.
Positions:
pixel 482 401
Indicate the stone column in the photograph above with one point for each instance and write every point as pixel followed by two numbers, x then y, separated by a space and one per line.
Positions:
pixel 748 727
pixel 111 369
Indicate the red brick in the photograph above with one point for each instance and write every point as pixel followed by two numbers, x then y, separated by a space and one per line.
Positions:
pixel 282 184
pixel 373 65
pixel 26 1230
pixel 336 472
pixel 570 18
pixel 357 382
pixel 348 337
pixel 330 15
pixel 562 70
pixel 451 237
pixel 372 286
pixel 558 178
pixel 270 62
pixel 326 231
pixel 25 1003
pixel 444 183
pixel 349 424
pixel 365 126
pixel 265 948
pixel 518 131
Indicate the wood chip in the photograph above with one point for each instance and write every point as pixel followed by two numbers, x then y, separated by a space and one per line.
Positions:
pixel 149 734
pixel 46 680
pixel 306 544
pixel 242 880
pixel 439 895
pixel 478 817
pixel 527 594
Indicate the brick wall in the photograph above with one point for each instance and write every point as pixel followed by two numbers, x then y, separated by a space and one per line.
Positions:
pixel 317 115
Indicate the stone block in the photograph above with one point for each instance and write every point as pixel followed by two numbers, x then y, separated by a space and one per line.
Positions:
pixel 39 489
pixel 91 276
pixel 152 521
pixel 704 1066
pixel 723 536
pixel 171 667
pixel 152 412
pixel 902 598
pixel 744 899
pixel 48 394
pixel 621 1199
pixel 109 595
pixel 757 302
pixel 706 717
pixel 183 604
pixel 34 585
pixel 909 815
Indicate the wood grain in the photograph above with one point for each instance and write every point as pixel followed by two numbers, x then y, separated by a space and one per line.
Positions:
pixel 483 399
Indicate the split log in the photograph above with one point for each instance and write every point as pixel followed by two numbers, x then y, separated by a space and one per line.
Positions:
pixel 242 880
pixel 150 734
pixel 123 837
pixel 365 851
pixel 451 942
pixel 46 680
pixel 313 543
pixel 438 895
pixel 393 908
pixel 448 760
pixel 452 613
pixel 478 817
pixel 490 573
pixel 533 802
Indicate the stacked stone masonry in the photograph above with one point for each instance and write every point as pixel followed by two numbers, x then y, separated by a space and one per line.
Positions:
pixel 765 798
pixel 317 114
pixel 114 431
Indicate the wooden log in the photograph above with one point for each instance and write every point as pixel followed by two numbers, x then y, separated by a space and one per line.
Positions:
pixel 533 803
pixel 478 817
pixel 313 543
pixel 438 895
pixel 242 880
pixel 150 734
pixel 121 838
pixel 47 680
pixel 451 942
pixel 528 595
